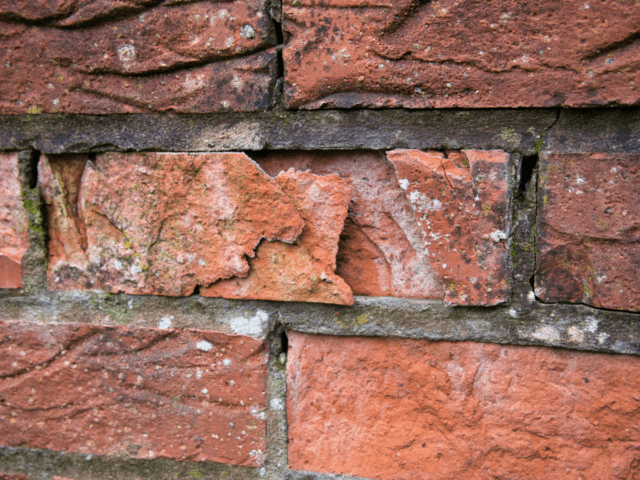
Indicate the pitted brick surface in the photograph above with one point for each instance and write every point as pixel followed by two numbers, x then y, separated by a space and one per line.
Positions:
pixel 465 54
pixel 589 230
pixel 391 409
pixel 137 392
pixel 135 56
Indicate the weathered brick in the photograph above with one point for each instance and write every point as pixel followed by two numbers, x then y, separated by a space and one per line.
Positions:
pixel 139 392
pixel 348 53
pixel 392 408
pixel 588 248
pixel 14 224
pixel 461 203
pixel 382 252
pixel 303 271
pixel 416 230
pixel 135 56
pixel 159 223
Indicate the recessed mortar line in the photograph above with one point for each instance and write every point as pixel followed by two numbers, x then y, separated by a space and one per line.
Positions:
pixel 534 232
pixel 277 94
pixel 528 166
pixel 550 127
pixel 586 305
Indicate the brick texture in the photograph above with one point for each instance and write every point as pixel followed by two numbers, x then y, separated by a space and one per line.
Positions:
pixel 381 249
pixel 160 223
pixel 303 271
pixel 419 224
pixel 336 223
pixel 589 230
pixel 461 203
pixel 495 53
pixel 393 408
pixel 146 393
pixel 135 56
pixel 14 237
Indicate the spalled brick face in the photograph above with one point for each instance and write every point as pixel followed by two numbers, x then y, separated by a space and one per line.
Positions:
pixel 14 238
pixel 135 56
pixel 392 408
pixel 414 225
pixel 160 223
pixel 145 393
pixel 303 271
pixel 381 250
pixel 589 230
pixel 461 203
pixel 420 225
pixel 345 53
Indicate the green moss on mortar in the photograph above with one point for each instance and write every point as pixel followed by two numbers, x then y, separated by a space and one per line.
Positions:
pixel 32 208
pixel 119 312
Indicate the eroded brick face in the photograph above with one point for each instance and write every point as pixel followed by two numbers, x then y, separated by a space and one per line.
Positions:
pixel 315 227
pixel 450 53
pixel 589 230
pixel 380 221
pixel 160 223
pixel 145 393
pixel 14 224
pixel 461 203
pixel 135 56
pixel 419 224
pixel 392 408
pixel 303 271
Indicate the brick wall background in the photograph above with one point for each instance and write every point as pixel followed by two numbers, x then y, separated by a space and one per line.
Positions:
pixel 319 239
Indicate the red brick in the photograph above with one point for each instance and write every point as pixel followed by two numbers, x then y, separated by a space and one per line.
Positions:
pixel 396 243
pixel 382 252
pixel 495 53
pixel 135 56
pixel 393 408
pixel 14 476
pixel 14 224
pixel 160 223
pixel 461 203
pixel 303 271
pixel 138 392
pixel 588 248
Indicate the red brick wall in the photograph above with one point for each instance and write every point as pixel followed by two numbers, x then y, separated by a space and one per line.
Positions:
pixel 293 239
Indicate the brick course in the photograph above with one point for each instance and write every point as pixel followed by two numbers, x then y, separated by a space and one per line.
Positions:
pixel 589 230
pixel 139 392
pixel 397 408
